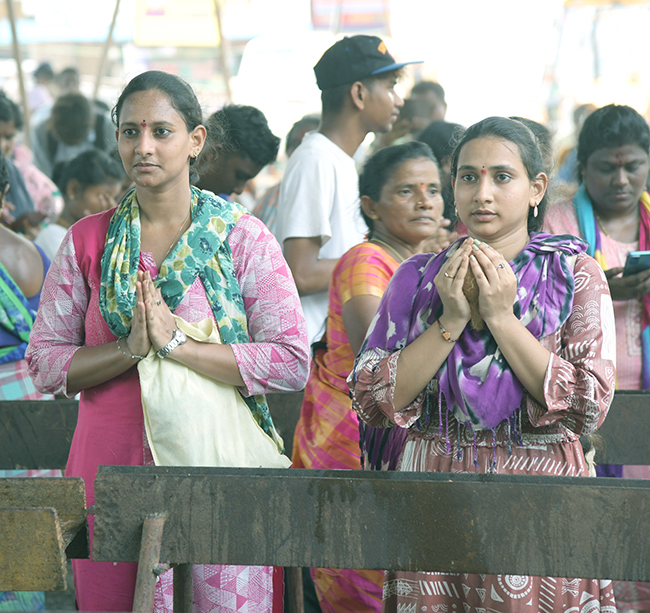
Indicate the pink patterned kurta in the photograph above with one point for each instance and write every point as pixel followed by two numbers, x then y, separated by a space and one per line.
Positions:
pixel 578 390
pixel 110 427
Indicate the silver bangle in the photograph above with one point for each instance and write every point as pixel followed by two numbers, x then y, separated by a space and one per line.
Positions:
pixel 127 354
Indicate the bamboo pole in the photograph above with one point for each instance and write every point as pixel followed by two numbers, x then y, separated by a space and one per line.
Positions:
pixel 223 47
pixel 19 68
pixel 107 46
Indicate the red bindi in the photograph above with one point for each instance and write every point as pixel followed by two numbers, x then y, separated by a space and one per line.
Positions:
pixel 422 186
pixel 483 171
pixel 143 123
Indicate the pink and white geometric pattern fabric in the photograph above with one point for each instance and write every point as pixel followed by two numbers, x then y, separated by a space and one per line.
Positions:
pixel 222 589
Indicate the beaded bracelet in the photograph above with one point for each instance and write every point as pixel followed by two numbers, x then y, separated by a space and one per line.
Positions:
pixel 127 354
pixel 445 334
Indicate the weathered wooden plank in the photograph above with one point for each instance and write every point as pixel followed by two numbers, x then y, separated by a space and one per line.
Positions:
pixel 32 551
pixel 36 434
pixel 627 429
pixel 351 519
pixel 66 495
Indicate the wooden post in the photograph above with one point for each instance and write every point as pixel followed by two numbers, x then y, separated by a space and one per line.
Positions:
pixel 223 48
pixel 183 588
pixel 19 67
pixel 145 583
pixel 107 46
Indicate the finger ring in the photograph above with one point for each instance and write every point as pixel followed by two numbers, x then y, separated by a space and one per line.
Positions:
pixel 502 265
pixel 158 302
pixel 449 276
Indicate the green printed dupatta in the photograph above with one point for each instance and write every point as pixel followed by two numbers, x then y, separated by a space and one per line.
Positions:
pixel 15 316
pixel 202 251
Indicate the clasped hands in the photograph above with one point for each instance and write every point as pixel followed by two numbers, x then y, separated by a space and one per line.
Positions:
pixel 153 322
pixel 496 281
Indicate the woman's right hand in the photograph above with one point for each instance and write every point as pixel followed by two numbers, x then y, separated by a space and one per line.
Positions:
pixel 449 283
pixel 629 287
pixel 138 340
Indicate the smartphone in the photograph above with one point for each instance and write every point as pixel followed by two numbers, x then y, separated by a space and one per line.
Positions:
pixel 637 261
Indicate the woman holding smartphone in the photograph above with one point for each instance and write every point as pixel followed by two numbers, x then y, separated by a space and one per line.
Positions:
pixel 611 211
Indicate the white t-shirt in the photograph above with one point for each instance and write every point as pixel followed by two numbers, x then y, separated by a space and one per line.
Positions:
pixel 49 239
pixel 319 197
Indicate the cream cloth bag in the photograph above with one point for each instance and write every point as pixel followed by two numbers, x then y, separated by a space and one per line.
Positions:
pixel 192 420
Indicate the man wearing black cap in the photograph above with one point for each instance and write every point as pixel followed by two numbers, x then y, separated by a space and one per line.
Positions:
pixel 318 218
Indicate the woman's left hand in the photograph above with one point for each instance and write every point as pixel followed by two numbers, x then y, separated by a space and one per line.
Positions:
pixel 496 282
pixel 160 321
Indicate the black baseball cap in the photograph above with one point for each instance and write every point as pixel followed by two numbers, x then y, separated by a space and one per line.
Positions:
pixel 353 58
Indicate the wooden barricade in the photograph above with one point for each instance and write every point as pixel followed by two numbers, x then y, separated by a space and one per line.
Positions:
pixel 495 524
pixel 37 434
pixel 42 522
pixel 547 526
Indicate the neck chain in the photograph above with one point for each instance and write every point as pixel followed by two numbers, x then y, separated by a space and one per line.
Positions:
pixel 178 234
pixel 396 254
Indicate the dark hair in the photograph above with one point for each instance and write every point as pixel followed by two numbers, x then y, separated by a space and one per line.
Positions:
pixel 544 140
pixel 44 70
pixel 4 173
pixel 332 99
pixel 10 111
pixel 440 136
pixel 612 126
pixel 245 132
pixel 424 87
pixel 71 118
pixel 298 131
pixel 379 168
pixel 503 128
pixel 180 95
pixel 92 167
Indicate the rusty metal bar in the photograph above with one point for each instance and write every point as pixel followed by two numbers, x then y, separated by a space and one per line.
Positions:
pixel 148 561
pixel 183 588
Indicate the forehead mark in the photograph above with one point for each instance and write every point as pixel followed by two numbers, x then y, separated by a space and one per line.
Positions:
pixel 143 123
pixel 483 171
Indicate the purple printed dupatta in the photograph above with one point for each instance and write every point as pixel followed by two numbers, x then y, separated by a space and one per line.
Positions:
pixel 479 387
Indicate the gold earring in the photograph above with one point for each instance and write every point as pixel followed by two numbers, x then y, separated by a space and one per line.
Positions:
pixel 374 217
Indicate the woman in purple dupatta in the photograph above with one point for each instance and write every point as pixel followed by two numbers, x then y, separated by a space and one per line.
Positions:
pixel 495 356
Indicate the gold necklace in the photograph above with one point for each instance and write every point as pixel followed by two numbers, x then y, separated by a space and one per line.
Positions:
pixel 178 234
pixel 400 258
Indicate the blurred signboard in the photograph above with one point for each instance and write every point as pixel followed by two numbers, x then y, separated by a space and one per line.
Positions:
pixel 351 15
pixel 174 23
